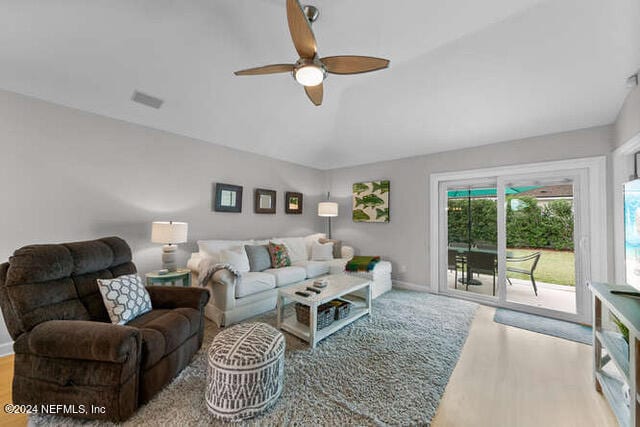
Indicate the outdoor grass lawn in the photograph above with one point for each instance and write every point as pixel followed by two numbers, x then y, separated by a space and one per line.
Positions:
pixel 554 266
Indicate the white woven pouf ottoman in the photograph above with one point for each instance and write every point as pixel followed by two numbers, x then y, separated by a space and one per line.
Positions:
pixel 246 371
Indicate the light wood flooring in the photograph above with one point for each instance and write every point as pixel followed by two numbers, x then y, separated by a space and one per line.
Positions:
pixel 512 377
pixel 505 377
pixel 6 377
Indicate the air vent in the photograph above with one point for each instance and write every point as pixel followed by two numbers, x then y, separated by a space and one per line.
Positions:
pixel 148 100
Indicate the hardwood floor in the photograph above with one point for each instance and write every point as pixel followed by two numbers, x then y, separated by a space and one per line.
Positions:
pixel 511 377
pixel 505 377
pixel 6 377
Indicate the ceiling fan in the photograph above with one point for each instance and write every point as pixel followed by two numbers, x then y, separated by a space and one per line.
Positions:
pixel 310 70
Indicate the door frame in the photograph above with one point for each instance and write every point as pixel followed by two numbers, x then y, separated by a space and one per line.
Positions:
pixel 593 220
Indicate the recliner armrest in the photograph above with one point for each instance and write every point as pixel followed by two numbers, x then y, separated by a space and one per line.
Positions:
pixel 175 297
pixel 85 340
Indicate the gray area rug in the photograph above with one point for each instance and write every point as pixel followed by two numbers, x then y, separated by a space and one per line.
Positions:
pixel 388 368
pixel 544 325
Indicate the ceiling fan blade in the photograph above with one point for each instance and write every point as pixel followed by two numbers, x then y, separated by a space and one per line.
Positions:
pixel 300 29
pixel 267 69
pixel 352 64
pixel 314 93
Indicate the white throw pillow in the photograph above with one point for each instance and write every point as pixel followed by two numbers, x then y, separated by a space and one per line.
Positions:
pixel 322 251
pixel 125 298
pixel 296 248
pixel 212 248
pixel 308 241
pixel 236 257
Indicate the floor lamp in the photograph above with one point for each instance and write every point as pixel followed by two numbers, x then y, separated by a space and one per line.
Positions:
pixel 328 210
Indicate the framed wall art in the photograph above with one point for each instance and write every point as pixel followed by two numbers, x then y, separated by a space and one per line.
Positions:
pixel 264 201
pixel 293 202
pixel 371 201
pixel 227 198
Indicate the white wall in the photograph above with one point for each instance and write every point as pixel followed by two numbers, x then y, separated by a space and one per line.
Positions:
pixel 404 240
pixel 627 124
pixel 68 175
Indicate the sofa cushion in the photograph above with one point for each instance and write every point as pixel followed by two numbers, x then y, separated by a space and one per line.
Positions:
pixel 254 282
pixel 295 246
pixel 165 330
pixel 259 258
pixel 313 268
pixel 287 275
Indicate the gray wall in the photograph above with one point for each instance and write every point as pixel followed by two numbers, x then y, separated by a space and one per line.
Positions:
pixel 69 175
pixel 628 123
pixel 405 239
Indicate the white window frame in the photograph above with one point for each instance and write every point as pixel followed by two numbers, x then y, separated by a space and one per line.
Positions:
pixel 593 212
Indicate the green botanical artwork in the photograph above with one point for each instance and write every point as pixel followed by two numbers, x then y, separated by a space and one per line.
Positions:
pixel 360 215
pixel 360 188
pixel 371 201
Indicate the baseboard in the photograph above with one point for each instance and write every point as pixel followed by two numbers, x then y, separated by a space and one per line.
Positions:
pixel 6 348
pixel 399 284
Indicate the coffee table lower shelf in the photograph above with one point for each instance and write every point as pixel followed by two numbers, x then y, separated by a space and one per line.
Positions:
pixel 302 331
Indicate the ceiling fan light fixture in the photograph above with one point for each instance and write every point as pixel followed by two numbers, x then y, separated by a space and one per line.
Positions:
pixel 309 75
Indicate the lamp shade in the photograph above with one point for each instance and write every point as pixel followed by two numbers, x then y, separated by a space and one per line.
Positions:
pixel 169 232
pixel 328 209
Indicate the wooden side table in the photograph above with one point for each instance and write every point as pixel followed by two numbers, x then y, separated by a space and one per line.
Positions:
pixel 182 274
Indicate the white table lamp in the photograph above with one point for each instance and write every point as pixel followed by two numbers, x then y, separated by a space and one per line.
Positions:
pixel 328 210
pixel 169 233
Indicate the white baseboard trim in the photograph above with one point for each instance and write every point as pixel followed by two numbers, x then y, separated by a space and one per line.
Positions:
pixel 399 284
pixel 6 348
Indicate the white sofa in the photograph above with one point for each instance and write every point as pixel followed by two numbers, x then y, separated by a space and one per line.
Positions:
pixel 235 299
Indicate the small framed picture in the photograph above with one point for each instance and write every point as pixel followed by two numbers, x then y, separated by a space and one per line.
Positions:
pixel 636 164
pixel 293 202
pixel 265 201
pixel 227 198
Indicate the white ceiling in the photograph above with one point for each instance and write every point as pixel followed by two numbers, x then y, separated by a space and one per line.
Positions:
pixel 463 72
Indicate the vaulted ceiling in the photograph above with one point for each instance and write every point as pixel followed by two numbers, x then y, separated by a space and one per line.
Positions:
pixel 463 72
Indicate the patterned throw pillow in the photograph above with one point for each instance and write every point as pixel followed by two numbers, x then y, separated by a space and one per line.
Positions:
pixel 279 255
pixel 125 298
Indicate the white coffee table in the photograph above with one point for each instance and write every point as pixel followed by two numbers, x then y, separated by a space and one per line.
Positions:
pixel 340 285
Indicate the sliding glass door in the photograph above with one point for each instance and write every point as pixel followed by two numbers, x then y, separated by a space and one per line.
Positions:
pixel 472 238
pixel 515 241
pixel 540 240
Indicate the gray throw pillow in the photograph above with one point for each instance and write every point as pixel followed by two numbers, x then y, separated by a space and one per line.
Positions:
pixel 259 258
pixel 124 297
pixel 337 247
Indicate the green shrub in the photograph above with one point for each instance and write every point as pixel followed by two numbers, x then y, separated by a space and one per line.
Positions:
pixel 529 225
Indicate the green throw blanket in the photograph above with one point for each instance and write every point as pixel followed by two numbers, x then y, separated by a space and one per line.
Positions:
pixel 362 263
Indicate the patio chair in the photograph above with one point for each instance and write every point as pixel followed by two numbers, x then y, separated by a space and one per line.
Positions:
pixel 485 263
pixel 455 260
pixel 526 271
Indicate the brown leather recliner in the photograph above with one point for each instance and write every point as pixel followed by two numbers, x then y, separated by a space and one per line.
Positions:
pixel 66 349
